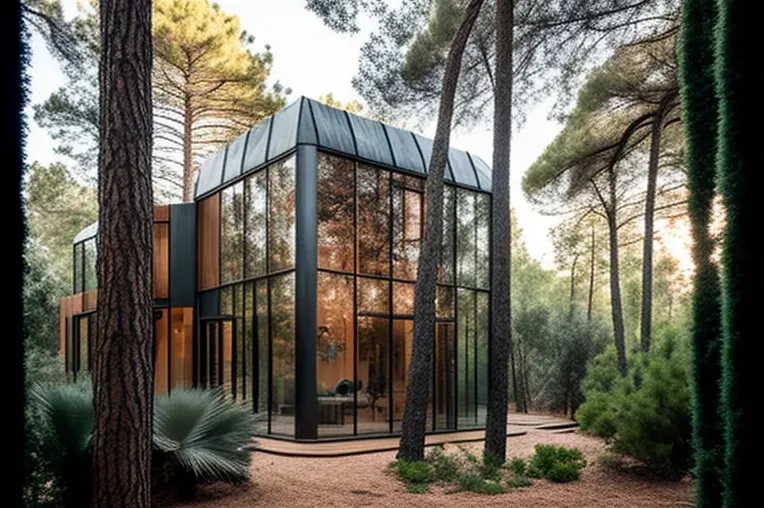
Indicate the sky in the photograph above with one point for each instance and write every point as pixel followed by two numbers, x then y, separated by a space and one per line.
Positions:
pixel 313 60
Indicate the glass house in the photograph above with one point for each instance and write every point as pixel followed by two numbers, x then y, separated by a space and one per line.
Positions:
pixel 290 279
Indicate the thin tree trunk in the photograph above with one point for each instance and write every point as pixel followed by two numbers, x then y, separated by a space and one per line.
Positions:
pixel 420 369
pixel 591 281
pixel 501 324
pixel 740 159
pixel 573 285
pixel 123 366
pixel 188 169
pixel 616 306
pixel 647 245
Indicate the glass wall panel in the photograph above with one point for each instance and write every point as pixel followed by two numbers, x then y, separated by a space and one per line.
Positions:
pixel 335 213
pixel 91 277
pixel 403 298
pixel 281 215
pixel 465 238
pixel 263 354
pixel 226 301
pixel 283 349
pixel 482 323
pixel 373 205
pixel 250 346
pixel 161 377
pixel 335 355
pixel 445 303
pixel 182 347
pixel 373 411
pixel 407 231
pixel 240 344
pixel 373 295
pixel 229 367
pixel 448 244
pixel 79 250
pixel 231 231
pixel 482 239
pixel 403 337
pixel 254 232
pixel 445 376
pixel 466 358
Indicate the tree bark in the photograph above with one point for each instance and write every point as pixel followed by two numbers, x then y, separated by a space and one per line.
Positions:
pixel 420 369
pixel 188 169
pixel 123 366
pixel 591 280
pixel 501 331
pixel 616 306
pixel 740 159
pixel 647 245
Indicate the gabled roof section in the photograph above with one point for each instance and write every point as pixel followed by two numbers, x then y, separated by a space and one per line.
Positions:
pixel 309 122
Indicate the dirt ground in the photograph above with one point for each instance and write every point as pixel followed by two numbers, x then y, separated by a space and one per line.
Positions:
pixel 360 481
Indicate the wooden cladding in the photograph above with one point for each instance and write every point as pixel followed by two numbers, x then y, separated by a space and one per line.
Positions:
pixel 161 260
pixel 208 246
pixel 162 213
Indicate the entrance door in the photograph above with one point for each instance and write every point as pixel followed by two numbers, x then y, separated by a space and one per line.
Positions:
pixel 216 361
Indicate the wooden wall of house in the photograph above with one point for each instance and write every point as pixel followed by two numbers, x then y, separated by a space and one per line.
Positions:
pixel 208 242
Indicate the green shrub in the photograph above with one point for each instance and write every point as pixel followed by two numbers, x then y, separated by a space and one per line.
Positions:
pixel 473 482
pixel 611 461
pixel 414 471
pixel 562 472
pixel 417 488
pixel 547 457
pixel 646 414
pixel 445 467
pixel 200 436
pixel 516 482
pixel 518 466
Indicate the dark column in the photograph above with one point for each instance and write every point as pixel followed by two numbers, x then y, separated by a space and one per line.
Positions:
pixel 306 265
pixel 182 254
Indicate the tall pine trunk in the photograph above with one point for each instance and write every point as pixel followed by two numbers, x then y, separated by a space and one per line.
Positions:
pixel 700 110
pixel 591 281
pixel 496 423
pixel 420 369
pixel 739 84
pixel 123 366
pixel 616 305
pixel 647 245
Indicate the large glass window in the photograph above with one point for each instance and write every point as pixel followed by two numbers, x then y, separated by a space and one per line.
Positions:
pixel 407 228
pixel 231 231
pixel 161 344
pixel 335 355
pixel 466 386
pixel 335 213
pixel 79 250
pixel 373 204
pixel 373 412
pixel 482 239
pixel 255 211
pixel 482 323
pixel 263 353
pixel 466 256
pixel 448 244
pixel 181 347
pixel 283 350
pixel 91 277
pixel 281 215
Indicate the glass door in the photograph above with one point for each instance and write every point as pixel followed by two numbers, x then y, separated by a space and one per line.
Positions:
pixel 216 361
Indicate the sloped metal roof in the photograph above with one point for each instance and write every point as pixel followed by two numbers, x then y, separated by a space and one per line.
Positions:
pixel 87 233
pixel 306 121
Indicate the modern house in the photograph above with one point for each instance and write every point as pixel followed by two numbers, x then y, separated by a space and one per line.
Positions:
pixel 289 281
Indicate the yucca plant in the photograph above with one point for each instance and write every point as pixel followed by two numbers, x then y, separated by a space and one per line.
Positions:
pixel 200 437
pixel 65 416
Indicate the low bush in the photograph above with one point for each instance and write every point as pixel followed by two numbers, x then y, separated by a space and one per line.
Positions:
pixel 445 467
pixel 518 466
pixel 560 459
pixel 414 471
pixel 474 482
pixel 516 482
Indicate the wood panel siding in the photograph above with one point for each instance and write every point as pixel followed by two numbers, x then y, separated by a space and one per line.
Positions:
pixel 162 213
pixel 208 248
pixel 161 262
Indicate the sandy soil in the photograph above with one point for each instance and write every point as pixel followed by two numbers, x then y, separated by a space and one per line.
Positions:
pixel 359 481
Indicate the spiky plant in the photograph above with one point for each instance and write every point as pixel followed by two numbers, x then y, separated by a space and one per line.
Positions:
pixel 201 437
pixel 65 414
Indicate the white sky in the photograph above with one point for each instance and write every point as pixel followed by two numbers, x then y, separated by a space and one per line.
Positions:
pixel 312 60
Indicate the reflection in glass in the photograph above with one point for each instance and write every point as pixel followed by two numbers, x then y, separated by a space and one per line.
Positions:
pixel 91 278
pixel 78 258
pixel 84 343
pixel 240 344
pixel 335 213
pixel 254 233
pixel 448 244
pixel 373 295
pixel 160 361
pixel 263 358
pixel 231 231
pixel 403 337
pixel 482 239
pixel 373 412
pixel 334 348
pixel 283 363
pixel 482 356
pixel 403 298
pixel 407 232
pixel 229 371
pixel 445 376
pixel 182 348
pixel 373 202
pixel 445 302
pixel 281 215
pixel 465 238
pixel 249 342
pixel 466 358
